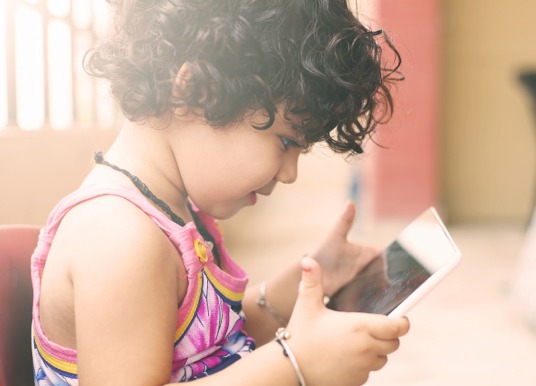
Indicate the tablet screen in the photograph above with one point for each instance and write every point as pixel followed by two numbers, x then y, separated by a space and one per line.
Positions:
pixel 412 264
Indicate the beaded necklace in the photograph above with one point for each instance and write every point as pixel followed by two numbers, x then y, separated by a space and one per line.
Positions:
pixel 144 189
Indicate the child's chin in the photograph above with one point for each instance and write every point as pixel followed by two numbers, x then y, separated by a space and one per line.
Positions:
pixel 224 213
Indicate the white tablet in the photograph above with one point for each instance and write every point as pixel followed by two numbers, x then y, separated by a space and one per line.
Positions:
pixel 415 262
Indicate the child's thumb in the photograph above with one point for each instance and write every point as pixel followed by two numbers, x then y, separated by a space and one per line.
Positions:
pixel 311 294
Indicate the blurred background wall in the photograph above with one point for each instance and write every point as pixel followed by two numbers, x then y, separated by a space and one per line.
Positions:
pixel 462 138
pixel 488 129
pixel 53 117
pixel 463 134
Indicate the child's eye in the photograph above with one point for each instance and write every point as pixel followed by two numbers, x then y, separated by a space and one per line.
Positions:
pixel 287 142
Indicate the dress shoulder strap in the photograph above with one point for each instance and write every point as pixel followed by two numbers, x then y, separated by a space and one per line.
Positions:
pixel 130 194
pixel 184 237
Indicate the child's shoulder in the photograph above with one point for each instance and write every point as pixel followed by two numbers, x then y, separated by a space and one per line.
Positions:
pixel 108 232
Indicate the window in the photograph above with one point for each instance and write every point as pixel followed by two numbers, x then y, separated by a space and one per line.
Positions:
pixel 42 83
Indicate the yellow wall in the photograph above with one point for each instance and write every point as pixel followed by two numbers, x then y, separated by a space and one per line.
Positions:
pixel 489 132
pixel 38 168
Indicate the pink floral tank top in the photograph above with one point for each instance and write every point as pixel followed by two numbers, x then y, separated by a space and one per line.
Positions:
pixel 209 335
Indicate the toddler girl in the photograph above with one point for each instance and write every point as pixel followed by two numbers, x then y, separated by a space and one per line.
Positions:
pixel 132 282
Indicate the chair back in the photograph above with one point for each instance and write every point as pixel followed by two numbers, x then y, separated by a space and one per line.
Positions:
pixel 17 243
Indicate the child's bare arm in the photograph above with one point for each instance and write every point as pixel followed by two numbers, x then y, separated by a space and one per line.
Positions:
pixel 125 295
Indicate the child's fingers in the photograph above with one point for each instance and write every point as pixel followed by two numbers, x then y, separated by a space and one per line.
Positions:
pixel 345 221
pixel 386 347
pixel 385 328
pixel 379 363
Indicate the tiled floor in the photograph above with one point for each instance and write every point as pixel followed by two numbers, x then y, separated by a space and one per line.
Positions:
pixel 465 333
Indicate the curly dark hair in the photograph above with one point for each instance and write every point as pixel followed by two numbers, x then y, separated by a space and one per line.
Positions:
pixel 312 56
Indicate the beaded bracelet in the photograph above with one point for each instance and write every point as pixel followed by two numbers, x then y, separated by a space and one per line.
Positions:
pixel 281 336
pixel 262 302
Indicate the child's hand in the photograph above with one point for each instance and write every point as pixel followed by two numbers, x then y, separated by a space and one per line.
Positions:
pixel 339 258
pixel 338 348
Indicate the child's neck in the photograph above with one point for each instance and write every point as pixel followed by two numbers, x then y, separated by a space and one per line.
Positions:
pixel 144 152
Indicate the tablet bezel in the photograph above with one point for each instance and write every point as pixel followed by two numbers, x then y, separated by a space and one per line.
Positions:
pixel 436 277
pixel 453 258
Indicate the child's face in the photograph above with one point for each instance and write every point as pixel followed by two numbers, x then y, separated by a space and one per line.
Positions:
pixel 225 169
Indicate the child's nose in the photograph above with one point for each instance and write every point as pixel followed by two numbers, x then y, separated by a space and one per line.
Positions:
pixel 288 173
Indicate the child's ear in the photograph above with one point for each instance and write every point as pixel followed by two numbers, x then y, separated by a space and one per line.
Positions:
pixel 180 87
pixel 185 113
pixel 181 80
